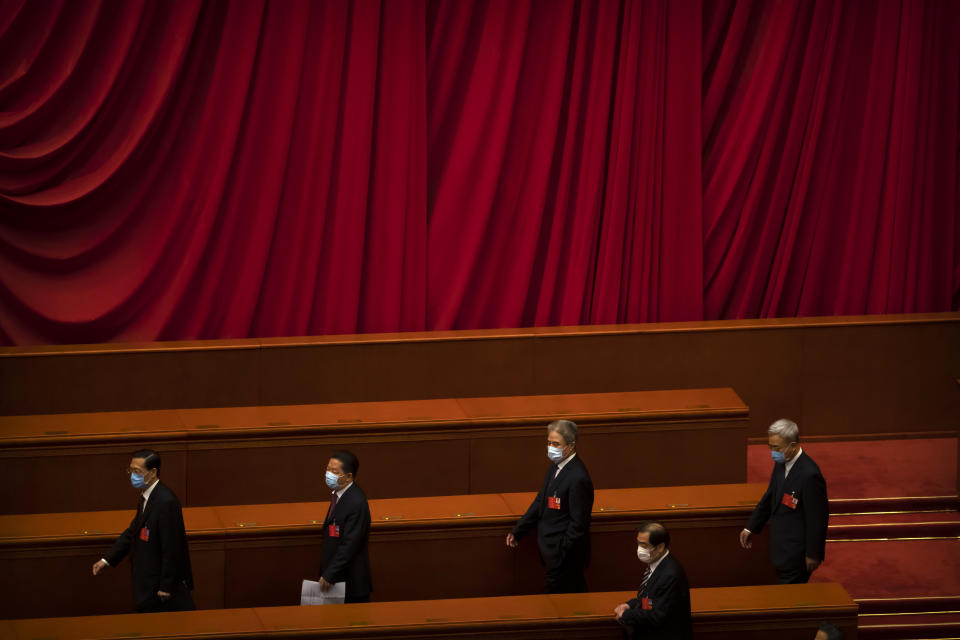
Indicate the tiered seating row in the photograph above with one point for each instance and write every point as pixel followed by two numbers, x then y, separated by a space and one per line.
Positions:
pixel 421 548
pixel 257 455
pixel 786 612
pixel 854 374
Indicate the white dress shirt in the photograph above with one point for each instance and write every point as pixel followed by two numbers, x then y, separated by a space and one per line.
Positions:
pixel 654 565
pixel 563 463
pixel 146 493
pixel 789 463
pixel 340 492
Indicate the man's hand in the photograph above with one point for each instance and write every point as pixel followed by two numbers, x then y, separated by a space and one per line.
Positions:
pixel 99 566
pixel 618 612
pixel 324 585
pixel 745 539
pixel 511 541
pixel 812 564
pixel 164 596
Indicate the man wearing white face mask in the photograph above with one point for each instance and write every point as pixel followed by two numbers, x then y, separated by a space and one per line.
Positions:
pixel 661 610
pixel 346 530
pixel 156 541
pixel 795 504
pixel 561 512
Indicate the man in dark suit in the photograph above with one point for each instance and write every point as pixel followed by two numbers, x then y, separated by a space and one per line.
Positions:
pixel 346 530
pixel 795 505
pixel 661 609
pixel 156 541
pixel 561 512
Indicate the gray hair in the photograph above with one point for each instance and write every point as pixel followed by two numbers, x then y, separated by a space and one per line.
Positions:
pixel 786 429
pixel 566 428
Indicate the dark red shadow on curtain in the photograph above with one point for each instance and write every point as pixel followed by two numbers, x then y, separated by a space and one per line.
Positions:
pixel 830 157
pixel 211 169
pixel 562 165
pixel 216 169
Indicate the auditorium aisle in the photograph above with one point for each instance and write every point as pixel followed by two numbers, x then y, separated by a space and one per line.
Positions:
pixel 894 539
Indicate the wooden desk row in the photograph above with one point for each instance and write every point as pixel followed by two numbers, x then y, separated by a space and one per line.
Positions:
pixel 257 455
pixel 842 375
pixel 420 548
pixel 786 612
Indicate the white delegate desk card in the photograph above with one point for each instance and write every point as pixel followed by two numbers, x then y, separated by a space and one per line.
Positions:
pixel 310 593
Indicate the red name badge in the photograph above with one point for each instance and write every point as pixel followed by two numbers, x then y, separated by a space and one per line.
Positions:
pixel 553 502
pixel 334 531
pixel 790 501
pixel 646 604
pixel 145 534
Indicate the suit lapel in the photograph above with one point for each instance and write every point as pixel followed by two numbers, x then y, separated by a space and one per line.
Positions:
pixel 796 471
pixel 779 470
pixel 549 483
pixel 656 575
pixel 340 502
pixel 567 470
pixel 154 495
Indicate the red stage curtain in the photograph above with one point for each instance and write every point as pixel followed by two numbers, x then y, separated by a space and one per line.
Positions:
pixel 211 169
pixel 563 166
pixel 830 157
pixel 216 169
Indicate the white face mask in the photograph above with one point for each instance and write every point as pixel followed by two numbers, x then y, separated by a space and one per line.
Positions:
pixel 643 554
pixel 332 480
pixel 555 453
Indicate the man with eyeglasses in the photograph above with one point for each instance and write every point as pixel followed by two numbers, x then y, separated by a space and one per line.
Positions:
pixel 156 541
pixel 795 505
pixel 561 512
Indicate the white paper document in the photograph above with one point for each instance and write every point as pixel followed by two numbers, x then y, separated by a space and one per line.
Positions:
pixel 310 593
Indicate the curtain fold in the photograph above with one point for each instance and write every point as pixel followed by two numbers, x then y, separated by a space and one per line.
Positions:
pixel 563 170
pixel 248 169
pixel 221 169
pixel 829 157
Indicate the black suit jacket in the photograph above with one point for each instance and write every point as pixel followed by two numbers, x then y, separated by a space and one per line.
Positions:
pixel 563 534
pixel 669 618
pixel 345 558
pixel 157 544
pixel 794 533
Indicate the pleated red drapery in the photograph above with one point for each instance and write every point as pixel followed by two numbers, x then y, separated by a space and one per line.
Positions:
pixel 214 168
pixel 830 157
pixel 562 163
pixel 211 169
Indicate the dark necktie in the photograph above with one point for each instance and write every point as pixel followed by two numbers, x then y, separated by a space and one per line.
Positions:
pixel 333 505
pixel 642 592
pixel 140 507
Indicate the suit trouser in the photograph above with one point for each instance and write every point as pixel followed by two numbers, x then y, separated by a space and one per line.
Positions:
pixel 793 572
pixel 179 600
pixel 567 577
pixel 348 599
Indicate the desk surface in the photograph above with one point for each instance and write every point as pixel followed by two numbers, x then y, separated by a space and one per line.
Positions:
pixel 666 503
pixel 439 616
pixel 399 414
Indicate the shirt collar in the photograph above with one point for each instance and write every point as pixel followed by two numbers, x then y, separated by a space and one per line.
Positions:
pixel 340 492
pixel 654 565
pixel 563 463
pixel 149 490
pixel 789 463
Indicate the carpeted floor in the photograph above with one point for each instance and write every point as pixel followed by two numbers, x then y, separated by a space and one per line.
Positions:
pixel 912 517
pixel 895 566
pixel 875 468
pixel 892 568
